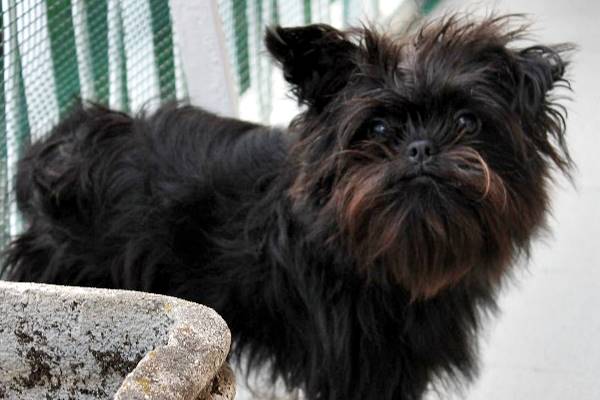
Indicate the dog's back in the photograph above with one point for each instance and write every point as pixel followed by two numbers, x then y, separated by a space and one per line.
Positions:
pixel 108 198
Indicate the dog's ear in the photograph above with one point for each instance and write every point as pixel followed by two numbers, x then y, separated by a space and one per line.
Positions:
pixel 539 69
pixel 316 59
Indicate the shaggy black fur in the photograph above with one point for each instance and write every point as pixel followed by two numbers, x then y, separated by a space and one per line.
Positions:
pixel 354 252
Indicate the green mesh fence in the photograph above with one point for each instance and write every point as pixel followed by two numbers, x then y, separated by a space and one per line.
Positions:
pixel 244 21
pixel 123 53
pixel 119 53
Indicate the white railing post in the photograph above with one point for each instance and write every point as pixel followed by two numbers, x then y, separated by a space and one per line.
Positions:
pixel 205 62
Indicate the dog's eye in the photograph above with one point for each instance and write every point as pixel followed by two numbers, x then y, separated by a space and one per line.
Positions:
pixel 467 122
pixel 378 128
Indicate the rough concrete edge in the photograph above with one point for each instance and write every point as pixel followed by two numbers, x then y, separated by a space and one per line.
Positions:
pixel 198 343
pixel 48 290
pixel 222 387
pixel 197 347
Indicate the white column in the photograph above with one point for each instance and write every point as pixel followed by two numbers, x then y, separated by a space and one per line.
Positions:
pixel 204 57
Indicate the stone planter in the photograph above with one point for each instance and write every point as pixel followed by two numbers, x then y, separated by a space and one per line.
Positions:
pixel 59 342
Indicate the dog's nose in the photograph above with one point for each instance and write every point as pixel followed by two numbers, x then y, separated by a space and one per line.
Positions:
pixel 419 151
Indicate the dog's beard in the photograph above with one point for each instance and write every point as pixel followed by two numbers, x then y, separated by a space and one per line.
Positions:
pixel 425 230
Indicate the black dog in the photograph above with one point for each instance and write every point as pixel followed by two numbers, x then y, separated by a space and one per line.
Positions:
pixel 354 252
